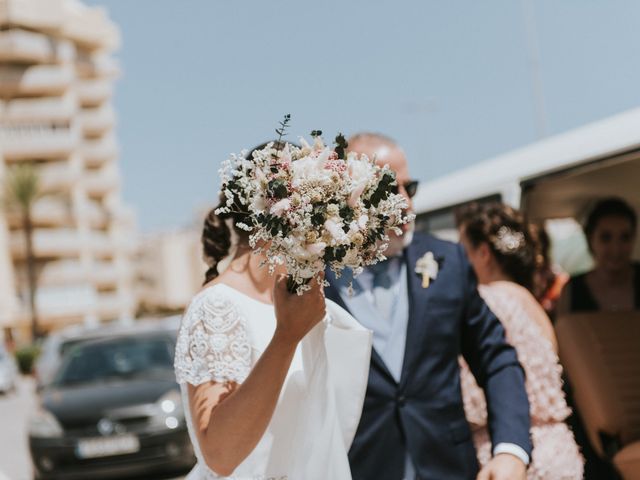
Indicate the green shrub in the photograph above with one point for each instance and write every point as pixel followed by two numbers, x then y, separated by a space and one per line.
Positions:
pixel 26 357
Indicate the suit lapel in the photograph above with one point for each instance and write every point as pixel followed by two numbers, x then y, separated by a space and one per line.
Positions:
pixel 332 293
pixel 418 301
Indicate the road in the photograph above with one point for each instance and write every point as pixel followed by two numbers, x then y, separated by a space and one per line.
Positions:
pixel 15 463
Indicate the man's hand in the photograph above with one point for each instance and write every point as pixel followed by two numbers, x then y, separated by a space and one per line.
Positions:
pixel 504 466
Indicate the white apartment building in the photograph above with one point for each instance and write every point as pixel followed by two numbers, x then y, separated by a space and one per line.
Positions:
pixel 56 82
pixel 170 270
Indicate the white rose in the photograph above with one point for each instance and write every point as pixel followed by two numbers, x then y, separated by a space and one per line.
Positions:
pixel 361 172
pixel 362 221
pixel 281 207
pixel 311 169
pixel 316 249
pixel 258 204
pixel 300 253
pixel 335 229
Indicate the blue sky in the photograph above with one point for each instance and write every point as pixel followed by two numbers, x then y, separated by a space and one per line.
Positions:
pixel 451 81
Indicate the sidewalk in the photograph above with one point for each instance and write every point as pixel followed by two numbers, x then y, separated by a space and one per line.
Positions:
pixel 15 408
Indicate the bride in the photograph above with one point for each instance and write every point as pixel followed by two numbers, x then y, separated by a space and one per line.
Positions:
pixel 272 382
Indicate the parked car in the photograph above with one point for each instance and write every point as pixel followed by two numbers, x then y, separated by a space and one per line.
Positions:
pixel 8 371
pixel 112 409
pixel 57 343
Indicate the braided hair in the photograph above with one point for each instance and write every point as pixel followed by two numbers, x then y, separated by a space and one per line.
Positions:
pixel 217 238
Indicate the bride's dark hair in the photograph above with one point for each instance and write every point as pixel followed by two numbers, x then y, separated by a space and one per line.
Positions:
pixel 216 235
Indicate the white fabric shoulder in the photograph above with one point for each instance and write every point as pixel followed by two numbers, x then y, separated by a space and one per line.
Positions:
pixel 213 342
pixel 348 346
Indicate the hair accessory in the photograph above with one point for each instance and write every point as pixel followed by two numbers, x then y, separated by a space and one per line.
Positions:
pixel 507 241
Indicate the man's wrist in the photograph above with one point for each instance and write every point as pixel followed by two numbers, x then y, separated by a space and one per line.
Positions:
pixel 512 449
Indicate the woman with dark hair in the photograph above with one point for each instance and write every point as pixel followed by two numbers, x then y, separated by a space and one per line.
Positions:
pixel 505 253
pixel 614 283
pixel 612 286
pixel 272 387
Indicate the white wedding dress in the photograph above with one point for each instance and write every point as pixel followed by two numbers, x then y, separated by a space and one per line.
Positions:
pixel 222 335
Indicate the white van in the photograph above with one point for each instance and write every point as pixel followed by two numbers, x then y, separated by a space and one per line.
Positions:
pixel 554 181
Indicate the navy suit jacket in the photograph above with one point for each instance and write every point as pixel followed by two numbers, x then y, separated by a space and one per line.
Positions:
pixel 423 413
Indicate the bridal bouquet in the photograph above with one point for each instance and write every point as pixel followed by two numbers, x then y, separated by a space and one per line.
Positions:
pixel 313 206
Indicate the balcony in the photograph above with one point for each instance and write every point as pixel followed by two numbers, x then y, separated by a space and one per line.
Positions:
pixel 97 66
pixel 47 243
pixel 23 46
pixel 105 274
pixel 35 80
pixel 102 245
pixel 101 182
pixel 63 272
pixel 97 152
pixel 34 14
pixel 45 140
pixel 96 215
pixel 63 301
pixel 59 176
pixel 46 212
pixel 97 121
pixel 110 306
pixel 92 28
pixel 39 110
pixel 93 92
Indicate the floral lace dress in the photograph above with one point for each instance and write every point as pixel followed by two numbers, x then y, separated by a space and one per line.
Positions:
pixel 222 335
pixel 555 452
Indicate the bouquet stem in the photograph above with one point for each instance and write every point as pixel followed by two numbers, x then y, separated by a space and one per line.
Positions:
pixel 292 286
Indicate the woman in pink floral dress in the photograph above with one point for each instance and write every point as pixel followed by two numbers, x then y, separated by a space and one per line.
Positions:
pixel 503 251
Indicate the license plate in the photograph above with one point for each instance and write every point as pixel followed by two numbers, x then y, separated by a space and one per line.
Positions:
pixel 105 447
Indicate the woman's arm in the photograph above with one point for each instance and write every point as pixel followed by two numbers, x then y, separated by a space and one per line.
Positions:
pixel 230 419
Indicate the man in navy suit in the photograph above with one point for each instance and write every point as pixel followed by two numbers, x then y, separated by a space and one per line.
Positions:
pixel 413 424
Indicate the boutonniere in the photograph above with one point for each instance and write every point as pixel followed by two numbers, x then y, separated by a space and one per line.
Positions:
pixel 427 266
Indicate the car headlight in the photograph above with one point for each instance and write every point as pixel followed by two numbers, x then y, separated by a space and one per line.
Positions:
pixel 169 413
pixel 43 424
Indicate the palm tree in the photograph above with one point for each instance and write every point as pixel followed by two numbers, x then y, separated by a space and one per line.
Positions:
pixel 23 189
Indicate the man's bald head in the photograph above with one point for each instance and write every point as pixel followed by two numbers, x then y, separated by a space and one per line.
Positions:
pixel 386 151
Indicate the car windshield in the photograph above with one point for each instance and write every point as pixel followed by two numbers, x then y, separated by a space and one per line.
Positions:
pixel 69 344
pixel 116 359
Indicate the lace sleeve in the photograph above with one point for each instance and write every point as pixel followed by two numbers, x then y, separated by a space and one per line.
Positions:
pixel 213 344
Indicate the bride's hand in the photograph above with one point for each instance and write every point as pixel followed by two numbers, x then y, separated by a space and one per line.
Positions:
pixel 297 314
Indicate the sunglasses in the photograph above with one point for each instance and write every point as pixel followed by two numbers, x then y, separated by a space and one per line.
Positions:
pixel 411 187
